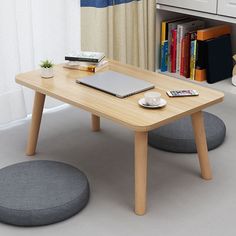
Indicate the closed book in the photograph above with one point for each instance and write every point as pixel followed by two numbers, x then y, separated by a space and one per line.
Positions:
pixel 204 35
pixel 94 57
pixel 171 26
pixel 165 36
pixel 219 63
pixel 173 50
pixel 86 66
pixel 193 52
pixel 163 31
pixel 201 55
pixel 164 55
pixel 163 39
pixel 182 60
pixel 200 75
pixel 182 29
pixel 213 32
pixel 186 65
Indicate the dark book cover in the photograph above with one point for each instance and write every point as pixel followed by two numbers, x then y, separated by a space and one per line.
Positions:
pixel 173 50
pixel 187 55
pixel 218 56
pixel 201 55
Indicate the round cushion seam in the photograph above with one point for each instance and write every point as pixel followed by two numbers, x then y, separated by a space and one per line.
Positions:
pixel 42 208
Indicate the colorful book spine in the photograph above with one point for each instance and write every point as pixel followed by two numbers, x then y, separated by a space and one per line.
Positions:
pixel 162 51
pixel 182 30
pixel 164 55
pixel 182 55
pixel 193 54
pixel 173 50
pixel 171 25
pixel 163 31
pixel 187 56
pixel 178 50
pixel 169 48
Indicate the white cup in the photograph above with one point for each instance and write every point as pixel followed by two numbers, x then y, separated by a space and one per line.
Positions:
pixel 152 98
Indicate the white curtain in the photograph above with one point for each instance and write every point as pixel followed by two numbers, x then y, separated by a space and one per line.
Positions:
pixel 125 30
pixel 31 31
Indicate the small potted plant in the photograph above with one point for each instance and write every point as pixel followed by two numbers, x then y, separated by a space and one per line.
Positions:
pixel 46 69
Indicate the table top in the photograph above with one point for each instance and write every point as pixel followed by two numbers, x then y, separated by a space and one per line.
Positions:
pixel 124 111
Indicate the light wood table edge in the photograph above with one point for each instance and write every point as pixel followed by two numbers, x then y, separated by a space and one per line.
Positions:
pixel 135 128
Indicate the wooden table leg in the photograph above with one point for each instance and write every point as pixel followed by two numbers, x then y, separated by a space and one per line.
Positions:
pixel 141 149
pixel 95 123
pixel 201 143
pixel 39 100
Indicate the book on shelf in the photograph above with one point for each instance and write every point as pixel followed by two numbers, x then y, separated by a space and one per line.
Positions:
pixel 182 56
pixel 166 27
pixel 86 66
pixel 164 45
pixel 171 25
pixel 186 61
pixel 200 75
pixel 196 52
pixel 94 57
pixel 173 50
pixel 219 63
pixel 193 53
pixel 182 29
pixel 164 55
pixel 213 32
pixel 203 36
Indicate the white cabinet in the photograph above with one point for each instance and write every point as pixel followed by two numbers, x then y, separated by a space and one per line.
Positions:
pixel 209 6
pixel 227 8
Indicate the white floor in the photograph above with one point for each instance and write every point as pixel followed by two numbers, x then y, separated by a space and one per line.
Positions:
pixel 180 203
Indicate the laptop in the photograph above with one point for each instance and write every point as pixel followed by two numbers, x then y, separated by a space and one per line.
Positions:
pixel 115 83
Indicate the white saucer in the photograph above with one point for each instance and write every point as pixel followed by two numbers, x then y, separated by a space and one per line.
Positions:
pixel 142 103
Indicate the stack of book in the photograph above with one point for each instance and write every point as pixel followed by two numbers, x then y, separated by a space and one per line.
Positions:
pixel 188 49
pixel 86 61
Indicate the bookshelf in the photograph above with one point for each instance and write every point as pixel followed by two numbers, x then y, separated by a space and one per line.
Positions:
pixel 197 13
pixel 168 12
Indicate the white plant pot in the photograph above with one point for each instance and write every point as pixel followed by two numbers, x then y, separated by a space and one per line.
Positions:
pixel 47 73
pixel 234 80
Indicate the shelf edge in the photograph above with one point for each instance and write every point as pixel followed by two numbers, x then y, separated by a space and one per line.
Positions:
pixel 196 13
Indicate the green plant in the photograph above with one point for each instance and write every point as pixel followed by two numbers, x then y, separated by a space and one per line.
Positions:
pixel 46 64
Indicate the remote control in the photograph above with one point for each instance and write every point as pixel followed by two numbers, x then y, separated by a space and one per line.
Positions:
pixel 182 93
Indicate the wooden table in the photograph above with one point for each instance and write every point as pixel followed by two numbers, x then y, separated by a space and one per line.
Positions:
pixel 125 111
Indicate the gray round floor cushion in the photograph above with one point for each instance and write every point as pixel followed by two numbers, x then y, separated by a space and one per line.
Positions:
pixel 178 136
pixel 38 193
